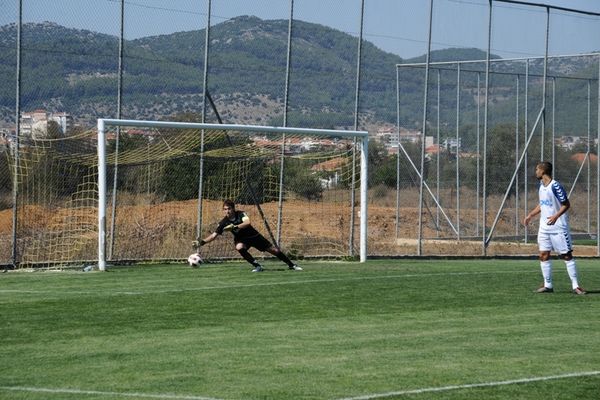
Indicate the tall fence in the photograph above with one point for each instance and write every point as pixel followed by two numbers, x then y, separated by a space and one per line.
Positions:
pixel 461 99
pixel 467 131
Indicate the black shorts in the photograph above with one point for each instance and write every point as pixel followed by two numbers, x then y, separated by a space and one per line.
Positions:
pixel 259 242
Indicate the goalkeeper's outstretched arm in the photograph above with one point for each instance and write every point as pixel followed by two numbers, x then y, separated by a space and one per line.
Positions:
pixel 201 242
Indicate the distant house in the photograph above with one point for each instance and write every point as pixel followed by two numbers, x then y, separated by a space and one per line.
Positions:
pixel 64 121
pixel 332 166
pixel 297 145
pixel 34 124
pixel 452 145
pixel 390 138
pixel 569 141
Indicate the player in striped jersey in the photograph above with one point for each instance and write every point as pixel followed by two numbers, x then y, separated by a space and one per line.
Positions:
pixel 554 233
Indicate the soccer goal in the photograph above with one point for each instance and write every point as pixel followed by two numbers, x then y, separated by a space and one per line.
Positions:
pixel 162 184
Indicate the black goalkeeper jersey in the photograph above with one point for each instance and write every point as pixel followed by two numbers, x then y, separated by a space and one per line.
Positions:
pixel 239 234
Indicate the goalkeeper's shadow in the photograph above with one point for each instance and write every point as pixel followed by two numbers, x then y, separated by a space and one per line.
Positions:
pixel 592 292
pixel 269 269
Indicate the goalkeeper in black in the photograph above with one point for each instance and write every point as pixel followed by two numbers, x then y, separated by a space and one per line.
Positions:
pixel 244 237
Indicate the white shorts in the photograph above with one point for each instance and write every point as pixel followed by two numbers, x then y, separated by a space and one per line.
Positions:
pixel 560 242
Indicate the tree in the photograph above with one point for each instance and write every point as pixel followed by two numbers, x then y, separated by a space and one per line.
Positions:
pixel 500 158
pixel 300 179
pixel 54 131
pixel 383 167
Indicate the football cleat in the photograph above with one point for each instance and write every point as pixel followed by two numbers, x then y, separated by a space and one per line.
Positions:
pixel 258 268
pixel 544 289
pixel 579 290
pixel 295 268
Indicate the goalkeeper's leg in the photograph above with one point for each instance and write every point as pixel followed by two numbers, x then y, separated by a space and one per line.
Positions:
pixel 241 248
pixel 281 255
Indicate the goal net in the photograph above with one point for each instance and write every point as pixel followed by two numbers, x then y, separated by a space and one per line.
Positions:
pixel 162 184
pixel 55 217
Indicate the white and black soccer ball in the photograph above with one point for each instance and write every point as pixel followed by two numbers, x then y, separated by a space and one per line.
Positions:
pixel 195 260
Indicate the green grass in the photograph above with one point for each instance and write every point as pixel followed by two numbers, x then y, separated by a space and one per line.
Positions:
pixel 585 242
pixel 336 330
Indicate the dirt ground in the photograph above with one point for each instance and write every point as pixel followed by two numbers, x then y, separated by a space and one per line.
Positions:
pixel 314 223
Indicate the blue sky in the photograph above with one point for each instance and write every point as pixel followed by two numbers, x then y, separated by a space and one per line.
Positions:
pixel 396 26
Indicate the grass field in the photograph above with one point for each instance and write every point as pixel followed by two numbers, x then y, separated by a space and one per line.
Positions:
pixel 393 329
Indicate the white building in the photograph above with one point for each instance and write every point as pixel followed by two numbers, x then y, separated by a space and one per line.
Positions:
pixel 35 124
pixel 389 138
pixel 453 145
pixel 64 121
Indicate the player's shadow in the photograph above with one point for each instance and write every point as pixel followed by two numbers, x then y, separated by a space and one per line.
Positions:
pixel 592 291
pixel 274 269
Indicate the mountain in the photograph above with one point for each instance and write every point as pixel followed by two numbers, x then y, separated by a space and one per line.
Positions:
pixel 75 71
pixel 453 54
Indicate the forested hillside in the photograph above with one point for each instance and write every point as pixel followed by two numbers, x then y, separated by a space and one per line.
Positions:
pixel 76 71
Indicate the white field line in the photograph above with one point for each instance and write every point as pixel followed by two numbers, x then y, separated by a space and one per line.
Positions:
pixel 102 393
pixel 365 397
pixel 472 385
pixel 259 284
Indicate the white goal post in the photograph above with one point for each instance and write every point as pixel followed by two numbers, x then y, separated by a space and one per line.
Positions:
pixel 361 141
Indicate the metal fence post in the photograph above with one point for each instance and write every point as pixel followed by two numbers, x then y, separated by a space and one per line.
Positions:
pixel 111 244
pixel 15 194
pixel 285 112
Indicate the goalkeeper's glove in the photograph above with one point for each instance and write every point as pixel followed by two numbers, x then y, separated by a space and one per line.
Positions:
pixel 198 243
pixel 229 227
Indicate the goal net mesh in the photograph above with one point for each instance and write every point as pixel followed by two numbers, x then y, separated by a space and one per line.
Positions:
pixel 57 199
pixel 295 188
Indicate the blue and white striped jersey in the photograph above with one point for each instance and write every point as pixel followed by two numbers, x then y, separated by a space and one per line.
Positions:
pixel 551 199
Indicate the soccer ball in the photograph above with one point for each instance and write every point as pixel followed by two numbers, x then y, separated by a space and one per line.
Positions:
pixel 194 260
